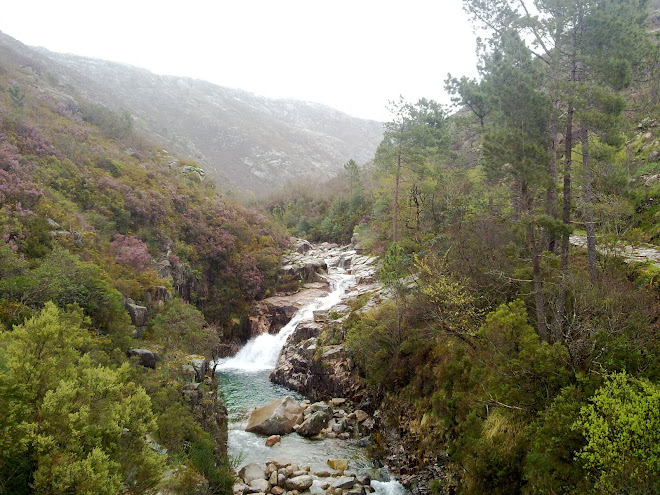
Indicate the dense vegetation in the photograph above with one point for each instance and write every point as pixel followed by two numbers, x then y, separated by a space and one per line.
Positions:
pixel 522 364
pixel 533 364
pixel 92 217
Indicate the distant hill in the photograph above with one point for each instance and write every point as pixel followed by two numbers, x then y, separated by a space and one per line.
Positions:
pixel 243 141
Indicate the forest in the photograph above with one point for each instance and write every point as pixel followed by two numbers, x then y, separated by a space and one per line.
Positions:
pixel 518 349
pixel 521 362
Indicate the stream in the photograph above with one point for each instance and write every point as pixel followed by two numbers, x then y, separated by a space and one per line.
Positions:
pixel 244 385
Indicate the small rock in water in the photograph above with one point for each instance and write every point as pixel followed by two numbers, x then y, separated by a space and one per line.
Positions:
pixel 338 464
pixel 272 440
pixel 344 482
pixel 299 482
pixel 280 463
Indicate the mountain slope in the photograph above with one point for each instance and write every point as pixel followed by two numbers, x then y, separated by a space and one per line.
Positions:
pixel 243 141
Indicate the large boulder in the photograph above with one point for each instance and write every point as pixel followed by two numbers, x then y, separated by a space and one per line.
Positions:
pixel 277 418
pixel 138 314
pixel 319 373
pixel 314 424
pixel 199 365
pixel 146 358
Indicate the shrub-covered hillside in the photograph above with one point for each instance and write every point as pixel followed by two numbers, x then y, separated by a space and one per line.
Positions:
pixel 93 217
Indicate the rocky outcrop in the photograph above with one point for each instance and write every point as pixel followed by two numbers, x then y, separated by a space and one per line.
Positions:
pixel 145 357
pixel 317 371
pixel 137 313
pixel 310 365
pixel 277 418
pixel 271 314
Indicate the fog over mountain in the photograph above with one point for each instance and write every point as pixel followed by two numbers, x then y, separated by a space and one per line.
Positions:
pixel 243 141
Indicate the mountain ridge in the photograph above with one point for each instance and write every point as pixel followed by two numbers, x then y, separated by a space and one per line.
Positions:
pixel 245 142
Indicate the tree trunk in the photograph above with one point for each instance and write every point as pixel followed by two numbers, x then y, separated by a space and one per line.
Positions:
pixel 587 197
pixel 539 302
pixel 558 329
pixel 395 214
pixel 551 192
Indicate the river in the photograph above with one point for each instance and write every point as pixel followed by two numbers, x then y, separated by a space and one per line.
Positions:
pixel 244 384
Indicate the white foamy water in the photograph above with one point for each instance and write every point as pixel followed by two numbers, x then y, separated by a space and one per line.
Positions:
pixel 261 352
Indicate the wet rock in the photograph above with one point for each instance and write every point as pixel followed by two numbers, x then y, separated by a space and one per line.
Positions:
pixel 280 463
pixel 318 372
pixel 344 482
pixel 277 418
pixel 321 407
pixel 252 472
pixel 271 314
pixel 299 482
pixel 308 270
pixel 313 425
pixel 364 479
pixel 338 464
pixel 146 358
pixel 272 440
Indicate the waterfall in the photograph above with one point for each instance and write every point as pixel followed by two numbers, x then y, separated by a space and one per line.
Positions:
pixel 261 352
pixel 245 385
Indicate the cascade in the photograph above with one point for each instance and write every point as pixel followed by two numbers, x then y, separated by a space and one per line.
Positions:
pixel 244 385
pixel 261 352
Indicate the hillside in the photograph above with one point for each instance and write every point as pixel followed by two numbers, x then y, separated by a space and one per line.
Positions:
pixel 122 273
pixel 243 141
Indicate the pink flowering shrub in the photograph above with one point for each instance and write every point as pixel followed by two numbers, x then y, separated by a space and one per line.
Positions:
pixel 131 251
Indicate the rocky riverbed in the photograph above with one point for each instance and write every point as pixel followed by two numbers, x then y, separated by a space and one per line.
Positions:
pixel 325 443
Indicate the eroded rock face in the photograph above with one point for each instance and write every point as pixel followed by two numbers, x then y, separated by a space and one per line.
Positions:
pixel 277 418
pixel 319 372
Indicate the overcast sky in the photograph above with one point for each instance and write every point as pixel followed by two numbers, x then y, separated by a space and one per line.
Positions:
pixel 352 55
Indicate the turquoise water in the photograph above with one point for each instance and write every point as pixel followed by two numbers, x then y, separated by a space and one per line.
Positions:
pixel 243 391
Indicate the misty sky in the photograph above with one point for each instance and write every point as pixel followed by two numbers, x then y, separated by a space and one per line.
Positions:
pixel 352 55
